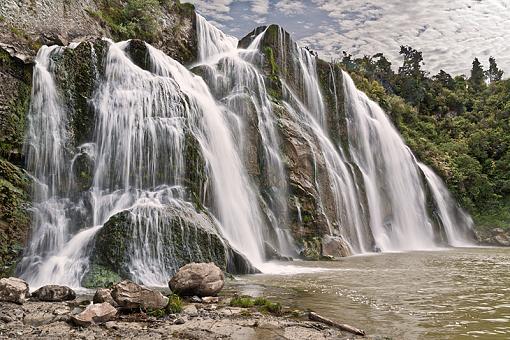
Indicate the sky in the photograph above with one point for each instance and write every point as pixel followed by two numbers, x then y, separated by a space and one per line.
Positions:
pixel 450 33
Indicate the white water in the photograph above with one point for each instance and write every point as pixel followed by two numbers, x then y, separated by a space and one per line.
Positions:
pixel 144 118
pixel 457 224
pixel 236 82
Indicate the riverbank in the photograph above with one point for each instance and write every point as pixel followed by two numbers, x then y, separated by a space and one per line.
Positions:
pixel 52 320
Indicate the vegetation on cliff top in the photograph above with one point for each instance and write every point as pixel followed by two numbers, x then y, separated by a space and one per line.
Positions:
pixel 136 19
pixel 457 125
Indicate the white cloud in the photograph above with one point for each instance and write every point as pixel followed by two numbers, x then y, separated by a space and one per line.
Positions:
pixel 290 7
pixel 450 33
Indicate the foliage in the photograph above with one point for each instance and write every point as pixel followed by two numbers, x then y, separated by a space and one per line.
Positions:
pixel 262 303
pixel 457 125
pixel 129 19
pixel 174 304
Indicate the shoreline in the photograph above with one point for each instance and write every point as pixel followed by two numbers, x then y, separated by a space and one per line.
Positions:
pixel 197 320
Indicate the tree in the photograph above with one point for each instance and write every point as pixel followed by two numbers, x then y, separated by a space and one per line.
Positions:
pixel 411 82
pixel 477 79
pixel 444 79
pixel 493 73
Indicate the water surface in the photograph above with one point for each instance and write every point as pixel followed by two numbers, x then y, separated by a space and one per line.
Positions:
pixel 451 294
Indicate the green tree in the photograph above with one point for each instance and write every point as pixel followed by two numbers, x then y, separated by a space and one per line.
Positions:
pixel 493 73
pixel 477 79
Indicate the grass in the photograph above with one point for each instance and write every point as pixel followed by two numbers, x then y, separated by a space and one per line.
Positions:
pixel 263 304
pixel 174 306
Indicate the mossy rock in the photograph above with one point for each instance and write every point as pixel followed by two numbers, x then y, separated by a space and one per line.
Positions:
pixel 179 235
pixel 98 276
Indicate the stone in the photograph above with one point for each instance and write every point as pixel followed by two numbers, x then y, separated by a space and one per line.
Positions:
pixel 54 293
pixel 104 295
pixel 128 294
pixel 190 310
pixel 179 321
pixel 195 299
pixel 14 290
pixel 201 279
pixel 210 299
pixel 95 314
pixel 334 246
pixel 502 240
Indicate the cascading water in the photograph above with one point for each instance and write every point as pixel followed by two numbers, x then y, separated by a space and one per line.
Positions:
pixel 146 118
pixel 237 83
pixel 398 216
pixel 456 223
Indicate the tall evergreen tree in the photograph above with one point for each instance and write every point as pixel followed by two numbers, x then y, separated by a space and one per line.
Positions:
pixel 477 79
pixel 493 73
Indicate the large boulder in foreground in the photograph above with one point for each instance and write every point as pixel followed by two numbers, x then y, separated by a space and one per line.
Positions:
pixel 14 290
pixel 201 279
pixel 128 294
pixel 94 314
pixel 54 293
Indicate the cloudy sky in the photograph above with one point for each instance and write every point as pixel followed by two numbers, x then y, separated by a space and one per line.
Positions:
pixel 450 33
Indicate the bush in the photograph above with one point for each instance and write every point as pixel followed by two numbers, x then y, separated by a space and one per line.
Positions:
pixel 131 19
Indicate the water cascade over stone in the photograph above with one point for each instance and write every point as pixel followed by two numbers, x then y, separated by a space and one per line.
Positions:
pixel 258 150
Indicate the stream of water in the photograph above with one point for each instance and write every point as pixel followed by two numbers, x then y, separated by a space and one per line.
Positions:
pixel 460 293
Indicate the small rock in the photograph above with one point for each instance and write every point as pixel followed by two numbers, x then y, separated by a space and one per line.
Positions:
pixel 104 295
pixel 54 293
pixel 195 299
pixel 201 279
pixel 14 290
pixel 190 310
pixel 210 299
pixel 131 295
pixel 111 325
pixel 96 313
pixel 179 321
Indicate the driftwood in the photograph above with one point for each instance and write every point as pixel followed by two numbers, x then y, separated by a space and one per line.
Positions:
pixel 316 317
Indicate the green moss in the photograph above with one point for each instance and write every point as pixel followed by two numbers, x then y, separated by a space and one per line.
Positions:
pixel 263 304
pixel 242 301
pixel 131 19
pixel 100 277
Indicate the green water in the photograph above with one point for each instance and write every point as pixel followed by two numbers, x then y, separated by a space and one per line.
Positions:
pixel 451 294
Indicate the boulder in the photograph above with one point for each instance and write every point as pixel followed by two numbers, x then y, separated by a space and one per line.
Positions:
pixel 54 293
pixel 128 294
pixel 104 295
pixel 334 246
pixel 94 314
pixel 502 240
pixel 201 279
pixel 14 290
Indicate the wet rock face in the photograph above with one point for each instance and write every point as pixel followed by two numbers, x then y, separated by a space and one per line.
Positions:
pixel 496 236
pixel 334 246
pixel 52 293
pixel 13 290
pixel 200 279
pixel 128 294
pixel 183 235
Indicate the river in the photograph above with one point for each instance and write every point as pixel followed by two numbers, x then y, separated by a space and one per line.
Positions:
pixel 460 293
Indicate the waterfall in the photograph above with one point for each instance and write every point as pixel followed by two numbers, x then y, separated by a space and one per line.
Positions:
pixel 149 114
pixel 235 80
pixel 398 216
pixel 142 119
pixel 456 223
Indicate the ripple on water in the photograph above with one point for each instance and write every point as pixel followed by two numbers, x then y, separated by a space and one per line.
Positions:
pixel 454 294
